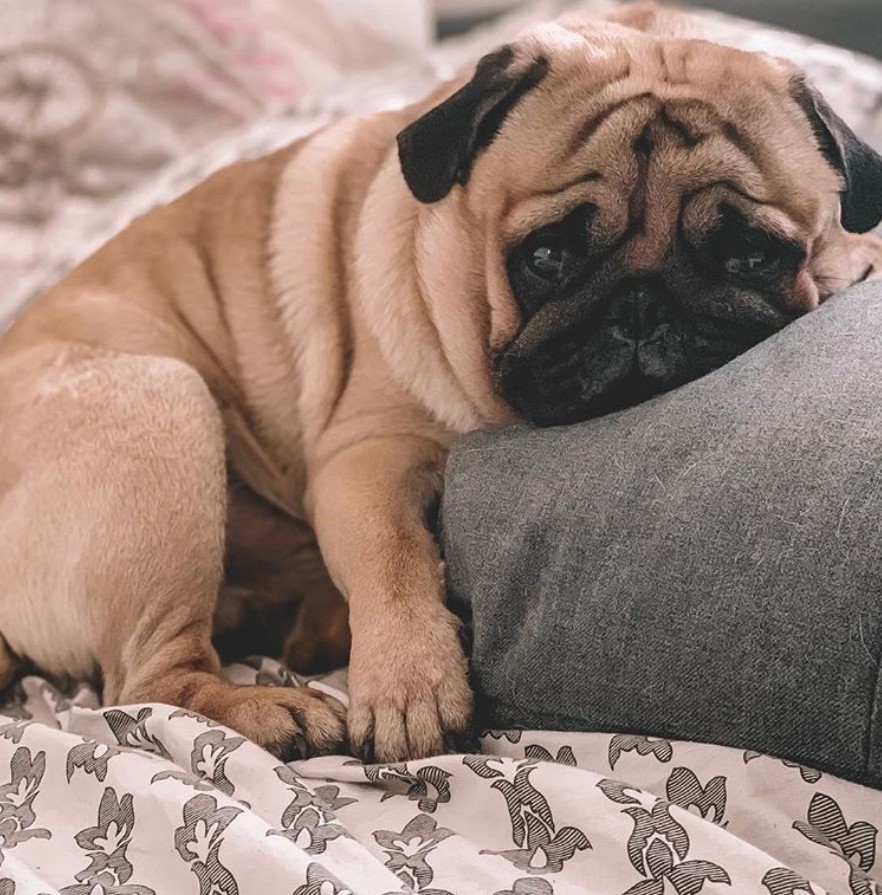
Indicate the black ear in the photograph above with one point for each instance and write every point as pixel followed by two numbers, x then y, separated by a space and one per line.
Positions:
pixel 438 150
pixel 859 164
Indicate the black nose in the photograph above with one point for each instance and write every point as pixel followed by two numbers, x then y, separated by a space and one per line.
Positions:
pixel 639 310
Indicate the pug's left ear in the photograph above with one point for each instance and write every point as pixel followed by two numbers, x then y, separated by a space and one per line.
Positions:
pixel 859 164
pixel 438 150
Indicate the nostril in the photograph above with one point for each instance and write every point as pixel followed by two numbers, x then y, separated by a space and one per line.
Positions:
pixel 640 311
pixel 648 308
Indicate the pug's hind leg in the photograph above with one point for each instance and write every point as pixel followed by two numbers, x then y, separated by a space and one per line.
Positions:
pixel 127 454
pixel 277 587
pixel 166 653
pixel 10 665
pixel 319 639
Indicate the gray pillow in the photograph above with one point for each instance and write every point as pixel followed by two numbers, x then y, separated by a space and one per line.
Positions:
pixel 705 566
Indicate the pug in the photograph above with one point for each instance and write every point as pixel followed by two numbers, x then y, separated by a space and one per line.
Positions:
pixel 245 398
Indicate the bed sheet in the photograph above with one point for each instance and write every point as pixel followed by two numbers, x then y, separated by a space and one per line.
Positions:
pixel 151 800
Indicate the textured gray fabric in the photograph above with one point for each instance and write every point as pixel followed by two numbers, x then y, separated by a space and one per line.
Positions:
pixel 705 566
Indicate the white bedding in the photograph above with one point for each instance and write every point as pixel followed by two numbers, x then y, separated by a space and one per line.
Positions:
pixel 149 799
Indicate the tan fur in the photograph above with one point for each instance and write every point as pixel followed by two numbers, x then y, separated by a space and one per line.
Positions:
pixel 299 339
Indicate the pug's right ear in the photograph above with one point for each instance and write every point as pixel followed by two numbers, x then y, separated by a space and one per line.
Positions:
pixel 859 164
pixel 439 149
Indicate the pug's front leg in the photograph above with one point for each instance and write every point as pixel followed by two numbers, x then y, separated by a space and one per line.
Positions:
pixel 864 257
pixel 846 261
pixel 408 685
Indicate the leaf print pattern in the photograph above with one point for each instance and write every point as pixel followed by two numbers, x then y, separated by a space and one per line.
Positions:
pixel 618 791
pixel 186 713
pixel 809 775
pixel 564 755
pixel 91 757
pixel 529 886
pixel 14 729
pixel 545 851
pixel 660 749
pixel 651 827
pixel 17 816
pixel 684 789
pixel 109 870
pixel 781 881
pixel 659 845
pixel 825 825
pixel 309 831
pixel 309 820
pixel 427 786
pixel 207 762
pixel 320 882
pixel 198 841
pixel 657 849
pixel 490 768
pixel 408 851
pixel 861 883
pixel 132 731
pixel 541 847
pixel 512 736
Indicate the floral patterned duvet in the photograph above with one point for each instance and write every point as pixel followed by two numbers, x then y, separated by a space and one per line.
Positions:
pixel 150 800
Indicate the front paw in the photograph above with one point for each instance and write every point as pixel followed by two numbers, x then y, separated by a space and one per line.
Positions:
pixel 409 696
pixel 866 257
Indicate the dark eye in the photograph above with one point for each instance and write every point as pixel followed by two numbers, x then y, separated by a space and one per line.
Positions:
pixel 552 253
pixel 752 260
pixel 739 248
pixel 549 261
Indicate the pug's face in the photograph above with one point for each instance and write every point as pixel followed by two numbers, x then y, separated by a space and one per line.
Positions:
pixel 640 210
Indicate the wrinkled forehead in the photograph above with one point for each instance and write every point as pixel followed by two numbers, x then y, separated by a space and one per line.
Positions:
pixel 687 123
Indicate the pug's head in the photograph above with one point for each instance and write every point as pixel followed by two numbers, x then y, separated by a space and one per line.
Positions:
pixel 632 209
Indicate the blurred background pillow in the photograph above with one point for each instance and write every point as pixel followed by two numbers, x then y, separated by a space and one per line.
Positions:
pixel 97 94
pixel 108 107
pixel 856 24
